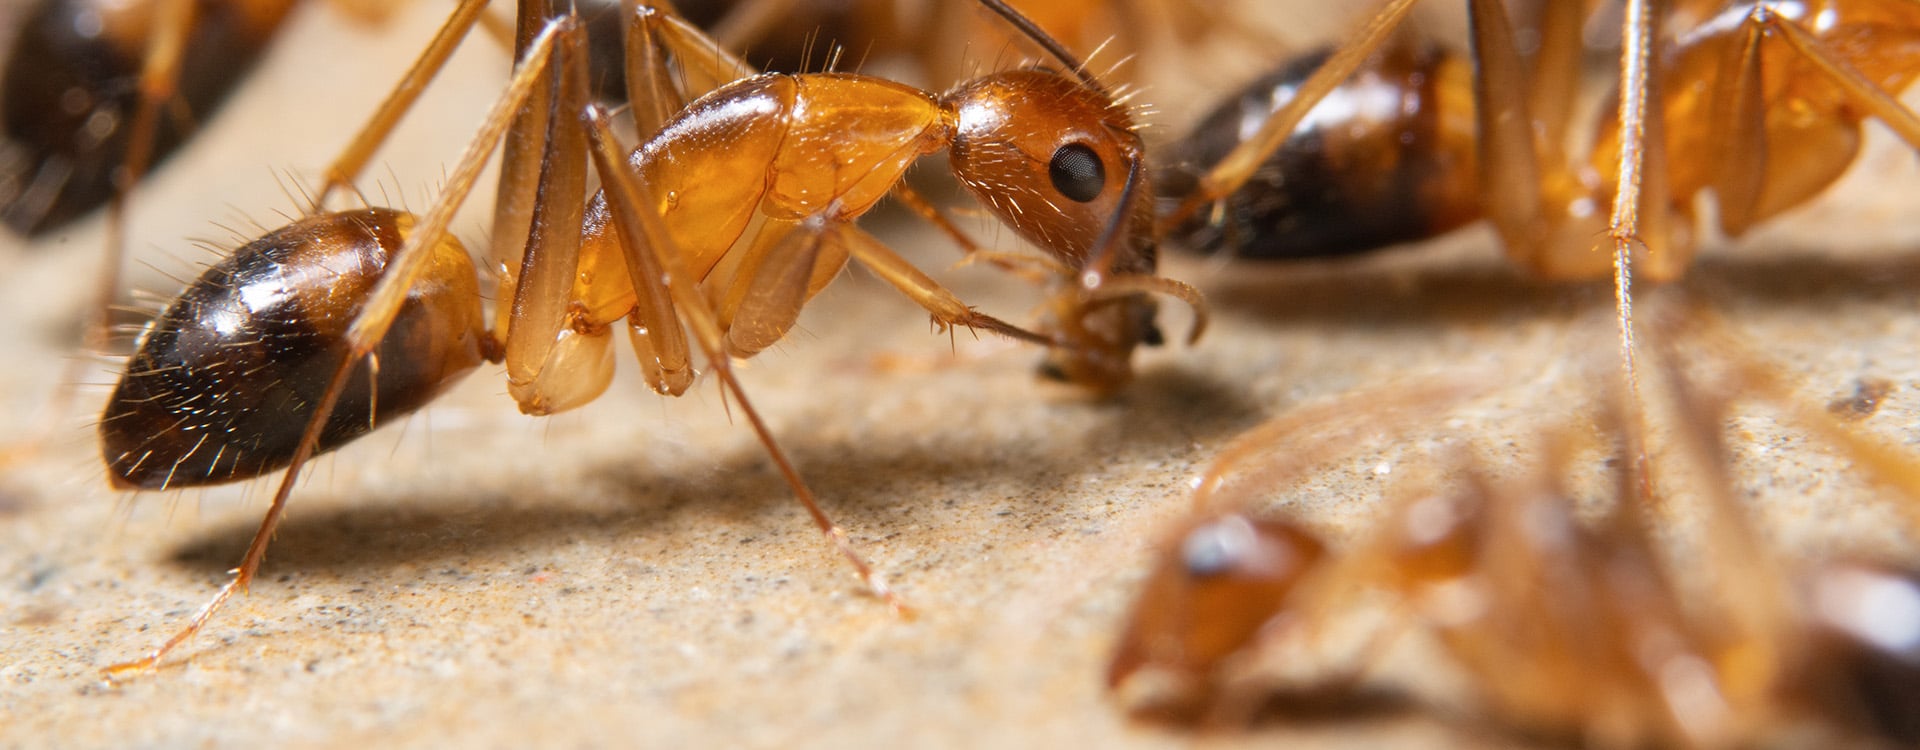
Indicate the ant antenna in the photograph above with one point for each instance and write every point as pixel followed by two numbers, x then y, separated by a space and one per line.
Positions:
pixel 1104 248
pixel 1047 42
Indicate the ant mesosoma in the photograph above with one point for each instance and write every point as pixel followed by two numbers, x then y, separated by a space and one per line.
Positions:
pixel 710 236
pixel 1564 625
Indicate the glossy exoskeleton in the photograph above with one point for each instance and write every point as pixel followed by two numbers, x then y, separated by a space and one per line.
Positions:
pixel 1760 104
pixel 224 380
pixel 1387 157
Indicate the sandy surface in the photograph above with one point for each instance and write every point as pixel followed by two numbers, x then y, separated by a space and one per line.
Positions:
pixel 635 574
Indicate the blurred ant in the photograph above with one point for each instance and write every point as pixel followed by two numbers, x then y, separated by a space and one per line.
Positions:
pixel 1395 138
pixel 94 93
pixel 1565 625
pixel 1389 138
pixel 711 235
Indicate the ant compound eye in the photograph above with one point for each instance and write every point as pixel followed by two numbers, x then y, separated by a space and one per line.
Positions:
pixel 1077 172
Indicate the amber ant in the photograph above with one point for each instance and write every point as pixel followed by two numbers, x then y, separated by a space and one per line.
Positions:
pixel 1389 138
pixel 1763 101
pixel 94 93
pixel 710 236
pixel 1565 625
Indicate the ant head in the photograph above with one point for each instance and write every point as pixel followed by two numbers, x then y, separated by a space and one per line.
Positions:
pixel 1059 162
pixel 1056 157
pixel 1052 158
pixel 1217 585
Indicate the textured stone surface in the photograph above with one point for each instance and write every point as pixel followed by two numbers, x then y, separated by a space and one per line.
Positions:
pixel 634 573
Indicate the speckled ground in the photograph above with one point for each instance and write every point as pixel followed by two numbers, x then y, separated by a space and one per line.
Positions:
pixel 635 574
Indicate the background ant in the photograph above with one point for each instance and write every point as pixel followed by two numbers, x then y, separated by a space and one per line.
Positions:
pixel 663 592
pixel 1760 104
pixel 1566 622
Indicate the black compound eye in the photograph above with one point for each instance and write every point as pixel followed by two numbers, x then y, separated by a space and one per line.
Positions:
pixel 1077 172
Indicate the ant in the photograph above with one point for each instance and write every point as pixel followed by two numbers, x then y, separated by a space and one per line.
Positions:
pixel 95 93
pixel 1403 139
pixel 710 236
pixel 1565 625
pixel 1390 138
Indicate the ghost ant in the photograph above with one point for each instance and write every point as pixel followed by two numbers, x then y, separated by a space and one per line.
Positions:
pixel 1565 626
pixel 344 320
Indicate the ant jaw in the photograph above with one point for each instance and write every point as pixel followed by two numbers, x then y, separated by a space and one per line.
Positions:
pixel 1097 338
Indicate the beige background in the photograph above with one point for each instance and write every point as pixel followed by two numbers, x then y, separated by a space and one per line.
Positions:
pixel 635 574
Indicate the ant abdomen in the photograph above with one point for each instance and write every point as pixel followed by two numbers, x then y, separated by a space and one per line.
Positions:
pixel 224 382
pixel 71 87
pixel 1387 157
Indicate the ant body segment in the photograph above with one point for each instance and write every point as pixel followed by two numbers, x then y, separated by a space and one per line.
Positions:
pixel 711 235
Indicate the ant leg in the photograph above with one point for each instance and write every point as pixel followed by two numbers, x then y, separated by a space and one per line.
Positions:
pixel 627 199
pixel 347 167
pixel 558 326
pixel 704 64
pixel 749 22
pixel 1555 70
pixel 541 303
pixel 1739 106
pixel 1043 270
pixel 786 263
pixel 1516 164
pixel 1246 158
pixel 1758 599
pixel 382 305
pixel 650 35
pixel 1642 180
pixel 947 308
pixel 520 159
pixel 1335 424
pixel 1038 269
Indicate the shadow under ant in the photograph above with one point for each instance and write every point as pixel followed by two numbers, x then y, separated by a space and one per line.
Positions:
pixel 1168 411
pixel 1404 288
